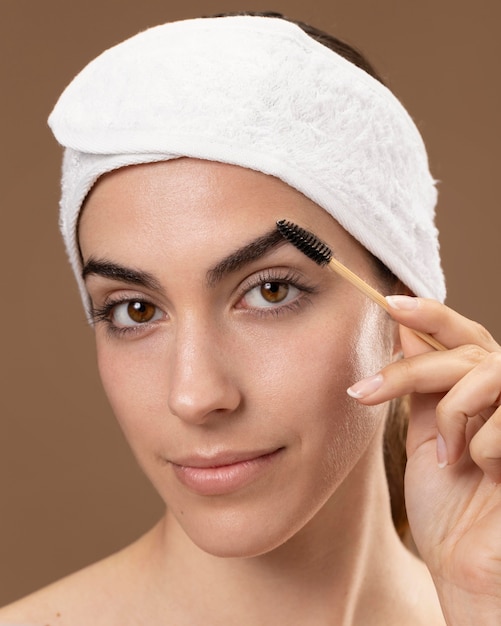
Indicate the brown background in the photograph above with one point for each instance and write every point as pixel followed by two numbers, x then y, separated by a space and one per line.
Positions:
pixel 70 492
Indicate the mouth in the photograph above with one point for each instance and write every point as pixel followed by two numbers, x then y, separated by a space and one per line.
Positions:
pixel 223 473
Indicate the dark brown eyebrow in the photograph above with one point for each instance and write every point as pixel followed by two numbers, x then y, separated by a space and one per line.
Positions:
pixel 236 260
pixel 244 255
pixel 107 269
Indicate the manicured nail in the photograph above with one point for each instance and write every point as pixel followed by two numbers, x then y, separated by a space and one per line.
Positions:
pixel 441 452
pixel 404 303
pixel 365 387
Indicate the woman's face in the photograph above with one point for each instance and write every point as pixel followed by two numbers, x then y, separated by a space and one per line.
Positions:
pixel 225 352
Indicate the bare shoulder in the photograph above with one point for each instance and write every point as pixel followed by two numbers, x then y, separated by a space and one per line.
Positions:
pixel 71 600
pixel 89 596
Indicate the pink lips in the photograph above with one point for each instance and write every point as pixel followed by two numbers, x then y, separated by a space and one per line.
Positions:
pixel 224 473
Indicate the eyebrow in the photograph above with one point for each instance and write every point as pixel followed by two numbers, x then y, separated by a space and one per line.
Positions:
pixel 107 269
pixel 248 253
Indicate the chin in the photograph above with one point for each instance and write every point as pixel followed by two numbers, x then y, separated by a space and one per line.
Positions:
pixel 240 545
pixel 234 532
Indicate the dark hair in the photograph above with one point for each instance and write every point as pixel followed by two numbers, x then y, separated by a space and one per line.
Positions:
pixel 395 456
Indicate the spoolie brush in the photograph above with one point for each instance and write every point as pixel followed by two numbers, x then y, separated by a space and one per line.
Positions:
pixel 310 245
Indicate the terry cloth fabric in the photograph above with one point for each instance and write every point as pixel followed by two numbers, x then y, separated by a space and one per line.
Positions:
pixel 259 93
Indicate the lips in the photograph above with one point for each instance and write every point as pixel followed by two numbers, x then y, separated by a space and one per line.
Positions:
pixel 223 473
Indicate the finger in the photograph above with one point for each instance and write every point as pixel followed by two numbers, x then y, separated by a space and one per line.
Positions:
pixel 411 343
pixel 475 393
pixel 430 372
pixel 440 321
pixel 485 447
pixel 422 426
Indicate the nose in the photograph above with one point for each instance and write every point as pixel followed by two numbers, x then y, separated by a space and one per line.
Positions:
pixel 202 384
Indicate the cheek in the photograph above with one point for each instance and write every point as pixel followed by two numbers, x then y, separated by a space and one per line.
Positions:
pixel 130 375
pixel 302 385
pixel 292 379
pixel 320 360
pixel 337 354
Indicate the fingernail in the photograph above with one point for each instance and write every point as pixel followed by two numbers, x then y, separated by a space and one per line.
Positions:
pixel 365 387
pixel 404 303
pixel 441 452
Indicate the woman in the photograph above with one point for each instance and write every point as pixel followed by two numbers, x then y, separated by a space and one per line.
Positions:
pixel 226 353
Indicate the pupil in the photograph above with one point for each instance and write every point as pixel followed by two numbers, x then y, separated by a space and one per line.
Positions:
pixel 274 292
pixel 140 311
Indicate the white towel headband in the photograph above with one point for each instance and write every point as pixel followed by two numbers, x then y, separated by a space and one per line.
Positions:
pixel 260 93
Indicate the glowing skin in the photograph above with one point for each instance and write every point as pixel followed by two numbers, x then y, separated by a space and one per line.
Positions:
pixel 226 354
pixel 231 388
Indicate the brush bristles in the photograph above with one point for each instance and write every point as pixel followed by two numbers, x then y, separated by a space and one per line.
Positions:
pixel 306 242
pixel 318 251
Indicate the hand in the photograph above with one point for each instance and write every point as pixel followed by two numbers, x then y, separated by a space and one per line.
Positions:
pixel 453 476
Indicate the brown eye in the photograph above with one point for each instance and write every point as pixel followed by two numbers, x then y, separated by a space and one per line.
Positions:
pixel 270 294
pixel 140 312
pixel 274 292
pixel 134 313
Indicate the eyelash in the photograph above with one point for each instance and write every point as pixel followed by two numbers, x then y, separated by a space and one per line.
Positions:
pixel 290 278
pixel 104 313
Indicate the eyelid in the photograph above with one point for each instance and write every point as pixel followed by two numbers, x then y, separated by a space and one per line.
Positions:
pixel 281 274
pixel 284 275
pixel 103 313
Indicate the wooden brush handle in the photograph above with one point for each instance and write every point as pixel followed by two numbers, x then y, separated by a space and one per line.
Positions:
pixel 373 294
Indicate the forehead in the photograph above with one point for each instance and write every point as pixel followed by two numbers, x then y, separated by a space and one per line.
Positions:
pixel 196 203
pixel 181 182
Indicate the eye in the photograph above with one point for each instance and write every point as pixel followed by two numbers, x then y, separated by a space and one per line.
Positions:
pixel 133 313
pixel 270 293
